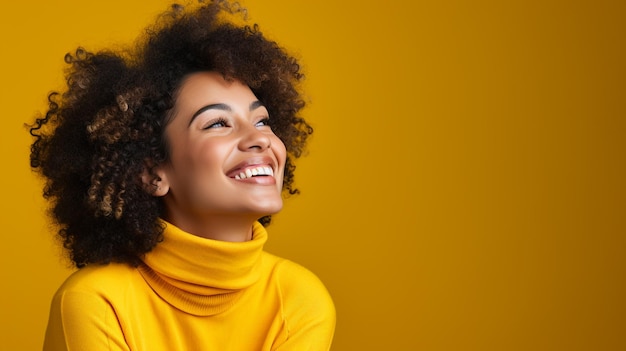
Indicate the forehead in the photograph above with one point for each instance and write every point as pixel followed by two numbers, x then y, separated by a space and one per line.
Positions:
pixel 211 85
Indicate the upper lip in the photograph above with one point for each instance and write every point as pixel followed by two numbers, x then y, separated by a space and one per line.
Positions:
pixel 251 162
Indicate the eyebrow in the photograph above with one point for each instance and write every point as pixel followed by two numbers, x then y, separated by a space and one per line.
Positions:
pixel 255 104
pixel 224 107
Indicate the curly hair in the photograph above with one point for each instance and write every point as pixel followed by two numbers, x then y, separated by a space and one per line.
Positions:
pixel 107 128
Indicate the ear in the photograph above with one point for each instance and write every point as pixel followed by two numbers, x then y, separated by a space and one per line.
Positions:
pixel 155 181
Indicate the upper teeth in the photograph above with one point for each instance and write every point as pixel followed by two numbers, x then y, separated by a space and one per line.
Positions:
pixel 251 172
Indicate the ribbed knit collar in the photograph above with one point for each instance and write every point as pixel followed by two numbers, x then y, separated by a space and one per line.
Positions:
pixel 202 276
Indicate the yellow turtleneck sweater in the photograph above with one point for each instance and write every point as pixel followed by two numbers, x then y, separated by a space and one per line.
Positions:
pixel 193 294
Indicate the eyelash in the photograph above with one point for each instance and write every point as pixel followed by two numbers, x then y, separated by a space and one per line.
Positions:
pixel 213 123
pixel 224 123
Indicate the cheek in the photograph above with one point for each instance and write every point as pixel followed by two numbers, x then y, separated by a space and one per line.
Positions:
pixel 279 150
pixel 196 158
pixel 211 157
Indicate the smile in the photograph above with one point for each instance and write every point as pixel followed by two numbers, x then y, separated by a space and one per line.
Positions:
pixel 255 172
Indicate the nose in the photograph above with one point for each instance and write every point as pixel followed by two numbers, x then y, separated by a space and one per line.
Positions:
pixel 252 139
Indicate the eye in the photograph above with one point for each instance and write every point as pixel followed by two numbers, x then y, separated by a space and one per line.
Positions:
pixel 216 123
pixel 265 122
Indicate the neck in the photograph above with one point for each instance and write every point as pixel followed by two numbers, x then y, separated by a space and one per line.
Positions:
pixel 224 227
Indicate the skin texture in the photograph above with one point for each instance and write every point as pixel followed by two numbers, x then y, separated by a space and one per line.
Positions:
pixel 218 130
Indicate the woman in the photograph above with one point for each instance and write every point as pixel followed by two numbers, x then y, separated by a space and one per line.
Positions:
pixel 163 164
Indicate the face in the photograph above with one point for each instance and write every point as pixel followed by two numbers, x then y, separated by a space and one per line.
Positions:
pixel 225 161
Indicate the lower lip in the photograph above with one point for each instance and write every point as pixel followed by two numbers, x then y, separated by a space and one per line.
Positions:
pixel 261 180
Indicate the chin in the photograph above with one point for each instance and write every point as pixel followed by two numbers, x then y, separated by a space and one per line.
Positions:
pixel 270 209
pixel 274 210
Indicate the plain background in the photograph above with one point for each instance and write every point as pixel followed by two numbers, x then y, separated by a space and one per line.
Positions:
pixel 464 188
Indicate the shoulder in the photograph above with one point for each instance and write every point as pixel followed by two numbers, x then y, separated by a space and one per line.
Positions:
pixel 98 289
pixel 302 289
pixel 83 312
pixel 307 309
pixel 99 280
pixel 94 276
pixel 294 276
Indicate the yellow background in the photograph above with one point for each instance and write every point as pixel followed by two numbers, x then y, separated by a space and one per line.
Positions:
pixel 464 188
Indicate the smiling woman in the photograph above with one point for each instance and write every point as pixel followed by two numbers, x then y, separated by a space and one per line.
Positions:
pixel 163 164
pixel 220 131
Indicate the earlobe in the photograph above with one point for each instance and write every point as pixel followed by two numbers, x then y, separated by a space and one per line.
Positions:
pixel 155 182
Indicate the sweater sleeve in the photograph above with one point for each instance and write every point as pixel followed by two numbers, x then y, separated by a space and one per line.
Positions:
pixel 308 311
pixel 81 320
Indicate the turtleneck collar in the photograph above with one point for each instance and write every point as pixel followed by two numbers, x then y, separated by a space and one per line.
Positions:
pixel 202 276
